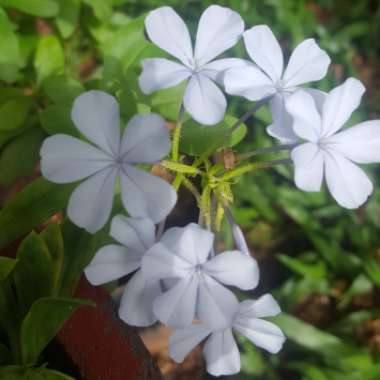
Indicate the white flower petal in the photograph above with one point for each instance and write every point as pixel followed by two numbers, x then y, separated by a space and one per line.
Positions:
pixel 182 341
pixel 160 73
pixel 360 143
pixel 265 306
pixel 96 115
pixel 308 161
pixel 239 239
pixel 339 105
pixel 90 204
pixel 135 233
pixel 111 263
pixel 176 307
pixel 264 49
pixel 136 307
pixel 168 31
pixel 219 29
pixel 215 70
pixel 222 354
pixel 262 333
pixel 234 268
pixel 282 126
pixel 145 195
pixel 204 100
pixel 159 262
pixel 307 63
pixel 145 140
pixel 65 159
pixel 249 82
pixel 347 183
pixel 318 96
pixel 192 243
pixel 306 118
pixel 216 305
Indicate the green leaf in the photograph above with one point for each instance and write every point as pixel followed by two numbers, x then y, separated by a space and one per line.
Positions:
pixel 6 267
pixel 372 269
pixel 19 157
pixel 56 119
pixel 127 43
pixel 68 17
pixel 80 248
pixel 40 8
pixel 9 314
pixel 7 93
pixel 49 58
pixel 311 270
pixel 252 362
pixel 48 374
pixel 33 275
pixel 360 285
pixel 310 337
pixel 5 355
pixel 53 239
pixel 10 50
pixel 31 207
pixel 43 323
pixel 13 113
pixel 196 138
pixel 102 9
pixel 15 372
pixel 28 45
pixel 62 89
pixel 167 102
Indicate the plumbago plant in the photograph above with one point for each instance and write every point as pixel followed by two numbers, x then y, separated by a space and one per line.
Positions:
pixel 179 277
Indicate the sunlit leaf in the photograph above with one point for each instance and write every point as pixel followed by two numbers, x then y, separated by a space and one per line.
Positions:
pixel 49 58
pixel 41 8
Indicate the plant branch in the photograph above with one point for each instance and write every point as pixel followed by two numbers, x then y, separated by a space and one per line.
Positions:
pixel 254 166
pixel 177 134
pixel 271 149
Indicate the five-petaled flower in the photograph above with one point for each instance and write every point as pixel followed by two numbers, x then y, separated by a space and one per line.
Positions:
pixel 220 350
pixel 115 261
pixel 219 29
pixel 329 154
pixel 307 63
pixel 183 255
pixel 66 159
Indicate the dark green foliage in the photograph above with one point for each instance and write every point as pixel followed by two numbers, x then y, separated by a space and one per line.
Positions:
pixel 307 245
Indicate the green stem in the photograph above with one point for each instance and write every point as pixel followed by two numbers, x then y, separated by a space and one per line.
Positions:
pixel 271 149
pixel 193 190
pixel 177 181
pixel 177 135
pixel 254 166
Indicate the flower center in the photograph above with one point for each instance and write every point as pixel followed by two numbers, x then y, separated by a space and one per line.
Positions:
pixel 198 268
pixel 280 86
pixel 118 162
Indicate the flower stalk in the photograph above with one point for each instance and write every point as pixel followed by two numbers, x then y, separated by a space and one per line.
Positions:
pixel 177 135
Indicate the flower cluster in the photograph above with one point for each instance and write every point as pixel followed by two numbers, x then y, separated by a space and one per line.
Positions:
pixel 179 278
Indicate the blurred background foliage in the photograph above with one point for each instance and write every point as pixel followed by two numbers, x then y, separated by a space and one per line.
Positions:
pixel 320 261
